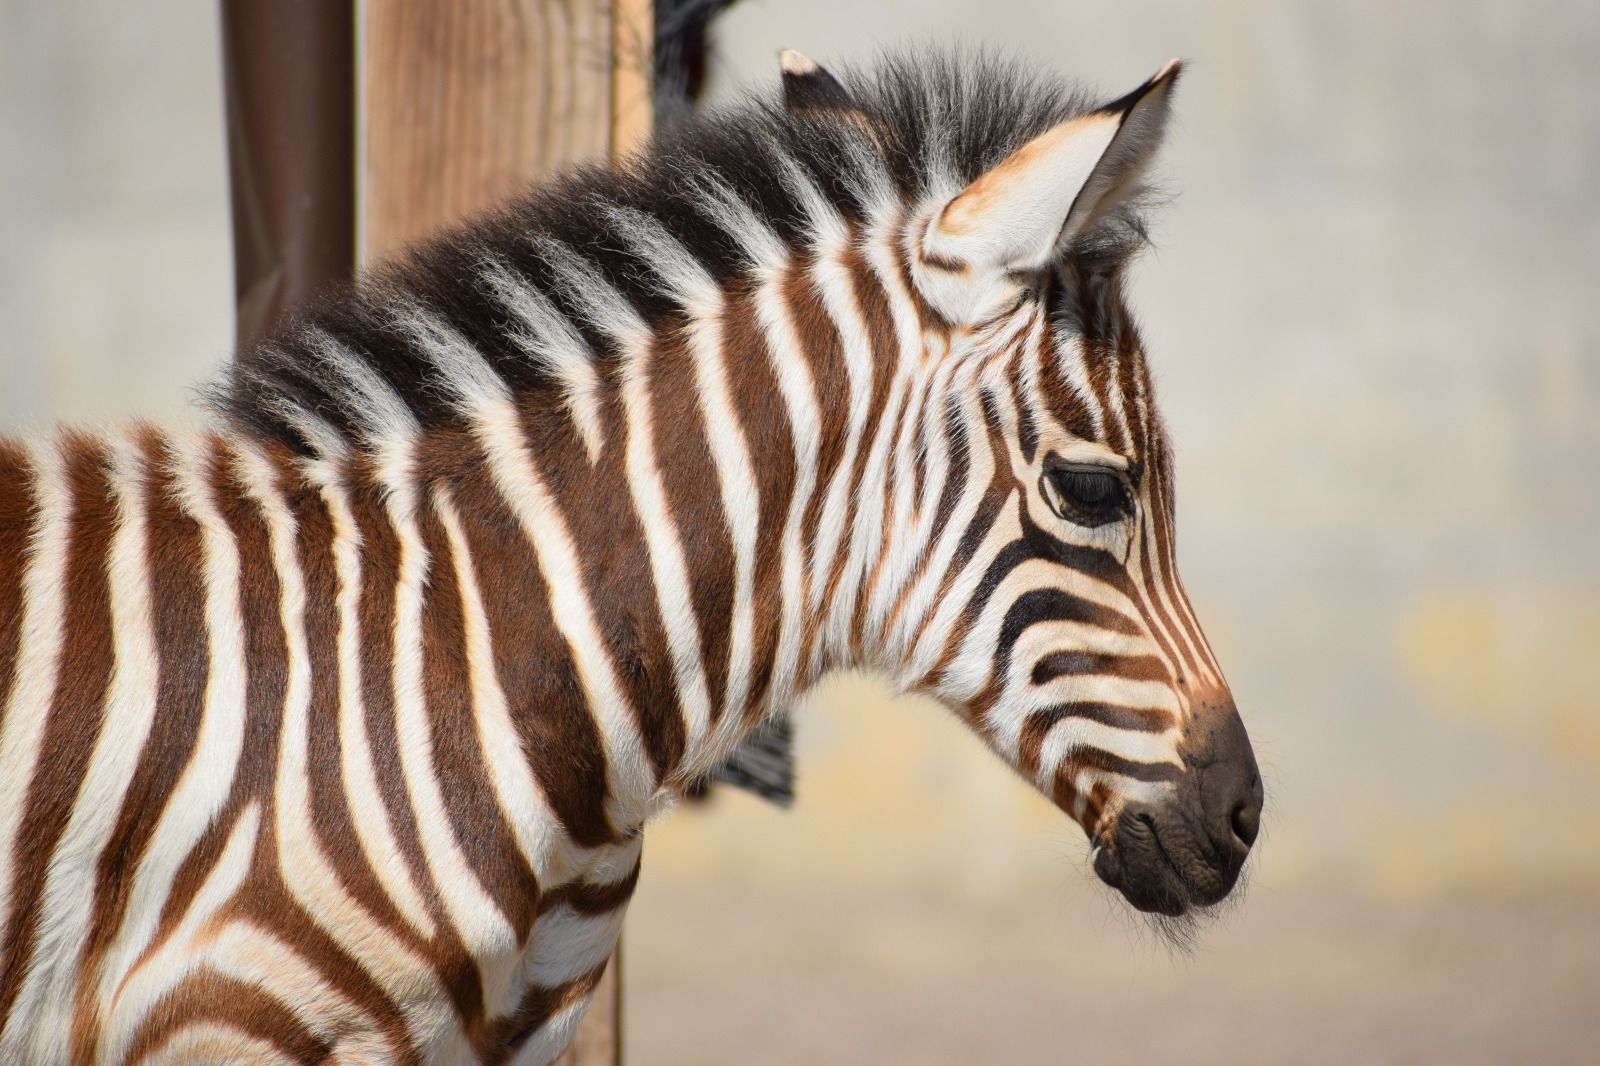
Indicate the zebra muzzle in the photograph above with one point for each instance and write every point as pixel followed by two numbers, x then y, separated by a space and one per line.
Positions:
pixel 1188 849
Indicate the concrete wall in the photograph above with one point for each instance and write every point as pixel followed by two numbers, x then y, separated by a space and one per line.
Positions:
pixel 1373 313
pixel 115 273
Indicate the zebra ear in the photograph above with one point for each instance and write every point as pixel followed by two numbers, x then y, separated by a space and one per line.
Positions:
pixel 808 87
pixel 1015 219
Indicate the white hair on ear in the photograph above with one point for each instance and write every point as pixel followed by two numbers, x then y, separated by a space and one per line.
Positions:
pixel 1014 220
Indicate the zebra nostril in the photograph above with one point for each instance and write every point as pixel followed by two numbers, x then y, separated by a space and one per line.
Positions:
pixel 1246 821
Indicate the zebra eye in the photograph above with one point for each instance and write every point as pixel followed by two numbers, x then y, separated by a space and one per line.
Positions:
pixel 1090 496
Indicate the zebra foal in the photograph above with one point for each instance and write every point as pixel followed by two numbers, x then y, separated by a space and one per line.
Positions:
pixel 330 729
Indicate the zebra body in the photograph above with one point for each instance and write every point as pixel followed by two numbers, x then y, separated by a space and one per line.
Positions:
pixel 330 730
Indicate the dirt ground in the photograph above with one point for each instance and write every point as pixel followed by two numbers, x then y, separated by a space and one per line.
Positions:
pixel 761 976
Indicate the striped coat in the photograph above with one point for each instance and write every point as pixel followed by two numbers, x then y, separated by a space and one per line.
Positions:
pixel 330 728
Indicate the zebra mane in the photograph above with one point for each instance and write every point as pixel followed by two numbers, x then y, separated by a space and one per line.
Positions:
pixel 542 287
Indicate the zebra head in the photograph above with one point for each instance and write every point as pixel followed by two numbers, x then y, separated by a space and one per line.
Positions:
pixel 1039 595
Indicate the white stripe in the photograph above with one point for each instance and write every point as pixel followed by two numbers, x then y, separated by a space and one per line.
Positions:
pixel 177 957
pixel 934 633
pixel 553 343
pixel 795 382
pixel 521 798
pixel 867 540
pixel 379 412
pixel 306 872
pixel 33 683
pixel 1074 357
pixel 968 670
pixel 483 929
pixel 935 451
pixel 208 775
pixel 49 994
pixel 667 564
pixel 682 277
pixel 765 250
pixel 837 289
pixel 1114 393
pixel 483 396
pixel 741 506
pixel 741 503
pixel 824 224
pixel 629 779
pixel 369 813
pixel 1071 735
pixel 553 1037
pixel 601 305
pixel 255 956
pixel 214 1042
pixel 566 945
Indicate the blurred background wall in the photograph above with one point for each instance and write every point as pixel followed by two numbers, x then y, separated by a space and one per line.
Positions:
pixel 1374 309
pixel 116 286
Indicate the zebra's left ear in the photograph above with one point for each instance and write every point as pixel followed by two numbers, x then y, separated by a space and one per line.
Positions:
pixel 809 87
pixel 1014 220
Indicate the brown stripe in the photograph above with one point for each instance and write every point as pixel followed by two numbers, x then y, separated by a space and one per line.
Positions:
pixel 1093 664
pixel 538 1006
pixel 559 736
pixel 609 540
pixel 590 898
pixel 18 511
pixel 1128 363
pixel 478 822
pixel 1157 621
pixel 689 480
pixel 177 601
pixel 380 573
pixel 1167 566
pixel 959 469
pixel 256 577
pixel 209 997
pixel 264 901
pixel 760 406
pixel 907 401
pixel 328 805
pixel 879 324
pixel 1001 486
pixel 1069 408
pixel 266 646
pixel 1039 724
pixel 83 674
pixel 1100 361
pixel 1097 759
pixel 819 342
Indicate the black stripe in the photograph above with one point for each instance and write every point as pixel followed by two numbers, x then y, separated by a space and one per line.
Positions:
pixel 1134 719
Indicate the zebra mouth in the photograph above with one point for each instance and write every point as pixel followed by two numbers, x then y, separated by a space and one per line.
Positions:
pixel 1153 872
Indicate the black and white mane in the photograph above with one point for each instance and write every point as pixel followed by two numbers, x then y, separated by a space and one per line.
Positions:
pixel 917 125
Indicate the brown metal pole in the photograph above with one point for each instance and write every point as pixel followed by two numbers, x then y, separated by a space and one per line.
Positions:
pixel 289 80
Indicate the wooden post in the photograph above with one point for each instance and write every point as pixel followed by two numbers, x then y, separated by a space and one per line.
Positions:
pixel 463 103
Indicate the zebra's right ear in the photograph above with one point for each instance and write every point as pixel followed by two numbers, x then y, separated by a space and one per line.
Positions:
pixel 975 256
pixel 808 87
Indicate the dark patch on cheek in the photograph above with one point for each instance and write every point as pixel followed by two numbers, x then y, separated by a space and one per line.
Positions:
pixel 1066 664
